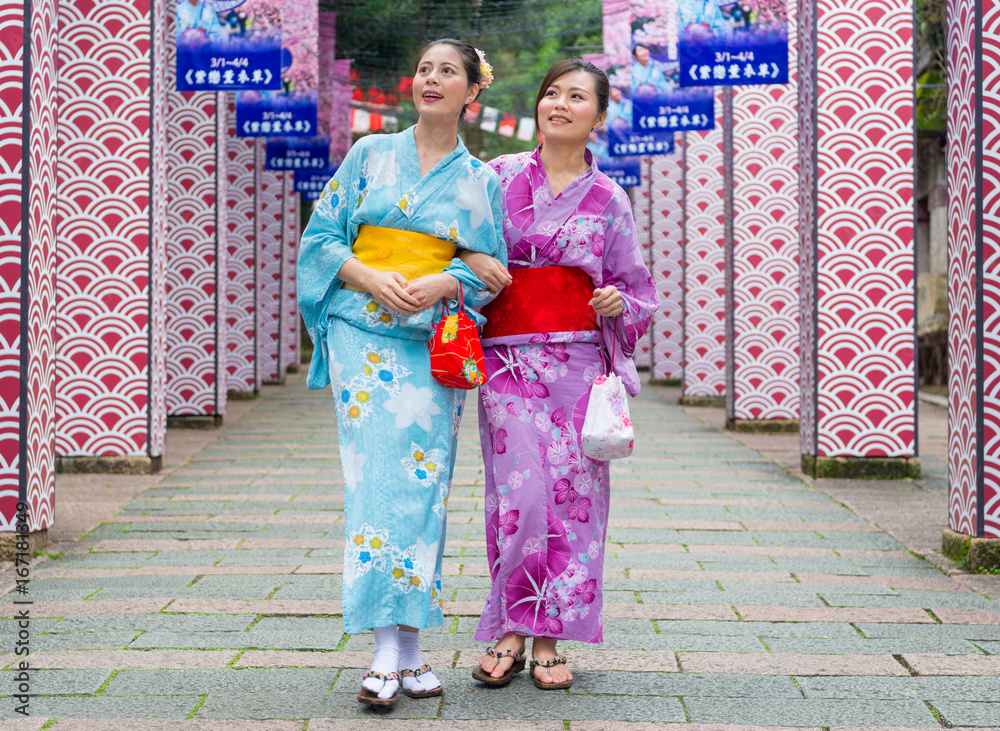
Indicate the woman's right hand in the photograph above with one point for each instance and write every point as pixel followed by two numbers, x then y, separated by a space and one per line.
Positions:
pixel 487 269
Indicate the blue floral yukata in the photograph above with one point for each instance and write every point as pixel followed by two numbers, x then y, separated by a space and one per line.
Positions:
pixel 397 426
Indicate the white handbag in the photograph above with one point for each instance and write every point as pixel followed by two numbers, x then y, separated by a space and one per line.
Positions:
pixel 607 429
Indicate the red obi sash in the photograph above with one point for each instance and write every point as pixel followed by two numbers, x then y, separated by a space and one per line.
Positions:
pixel 542 300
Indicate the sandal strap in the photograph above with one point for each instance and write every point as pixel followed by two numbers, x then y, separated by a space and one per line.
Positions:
pixel 539 663
pixel 381 676
pixel 415 673
pixel 499 654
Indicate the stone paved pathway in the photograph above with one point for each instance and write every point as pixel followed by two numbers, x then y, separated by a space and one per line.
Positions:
pixel 737 595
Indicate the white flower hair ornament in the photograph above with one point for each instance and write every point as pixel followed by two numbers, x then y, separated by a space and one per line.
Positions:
pixel 485 71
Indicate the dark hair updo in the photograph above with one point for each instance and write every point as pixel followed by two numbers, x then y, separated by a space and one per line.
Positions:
pixel 567 66
pixel 470 61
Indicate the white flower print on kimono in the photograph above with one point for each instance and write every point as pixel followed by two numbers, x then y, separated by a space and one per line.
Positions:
pixel 423 466
pixel 413 405
pixel 366 549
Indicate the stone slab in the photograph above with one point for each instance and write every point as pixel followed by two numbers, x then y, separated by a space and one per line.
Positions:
pixel 508 703
pixel 797 664
pixel 178 707
pixel 965 713
pixel 940 664
pixel 131 659
pixel 833 614
pixel 197 682
pixel 193 724
pixel 304 607
pixel 808 712
pixel 93 606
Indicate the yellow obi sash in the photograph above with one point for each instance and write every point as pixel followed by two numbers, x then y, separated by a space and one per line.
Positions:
pixel 410 253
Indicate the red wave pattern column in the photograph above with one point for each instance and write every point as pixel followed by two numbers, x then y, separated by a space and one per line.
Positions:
pixel 640 213
pixel 856 237
pixel 763 339
pixel 27 264
pixel 243 224
pixel 704 282
pixel 974 268
pixel 269 271
pixel 196 248
pixel 666 214
pixel 110 409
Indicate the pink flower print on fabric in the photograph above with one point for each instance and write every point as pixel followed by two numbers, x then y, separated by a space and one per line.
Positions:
pixel 508 522
pixel 564 491
pixel 498 437
pixel 579 510
pixel 587 591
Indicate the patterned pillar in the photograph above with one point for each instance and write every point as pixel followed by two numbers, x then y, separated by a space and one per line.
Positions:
pixel 270 267
pixel 289 293
pixel 640 213
pixel 856 235
pixel 110 231
pixel 27 273
pixel 973 269
pixel 197 135
pixel 243 237
pixel 762 339
pixel 704 379
pixel 666 214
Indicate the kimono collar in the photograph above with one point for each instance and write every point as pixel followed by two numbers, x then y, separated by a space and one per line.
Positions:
pixel 410 142
pixel 543 197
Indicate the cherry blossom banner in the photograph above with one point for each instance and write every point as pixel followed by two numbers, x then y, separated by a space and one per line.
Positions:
pixel 293 111
pixel 228 45
pixel 658 101
pixel 626 171
pixel 733 44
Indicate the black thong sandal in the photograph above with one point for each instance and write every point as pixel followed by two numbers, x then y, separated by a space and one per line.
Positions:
pixel 372 699
pixel 557 660
pixel 416 674
pixel 482 676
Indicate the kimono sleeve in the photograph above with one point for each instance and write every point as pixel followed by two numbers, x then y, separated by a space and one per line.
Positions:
pixel 489 240
pixel 326 244
pixel 624 267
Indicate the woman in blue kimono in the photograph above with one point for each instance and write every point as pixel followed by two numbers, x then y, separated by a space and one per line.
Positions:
pixel 378 256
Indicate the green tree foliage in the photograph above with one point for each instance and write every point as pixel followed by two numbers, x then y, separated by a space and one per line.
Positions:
pixel 932 55
pixel 521 39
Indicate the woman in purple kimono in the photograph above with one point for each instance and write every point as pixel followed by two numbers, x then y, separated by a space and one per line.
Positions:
pixel 577 285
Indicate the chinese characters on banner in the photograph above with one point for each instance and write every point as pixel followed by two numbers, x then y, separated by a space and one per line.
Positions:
pixel 311 184
pixel 733 43
pixel 293 110
pixel 228 45
pixel 658 101
pixel 296 153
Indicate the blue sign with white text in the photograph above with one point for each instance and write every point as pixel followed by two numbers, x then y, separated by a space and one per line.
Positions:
pixel 627 144
pixel 279 116
pixel 735 44
pixel 228 45
pixel 286 154
pixel 308 181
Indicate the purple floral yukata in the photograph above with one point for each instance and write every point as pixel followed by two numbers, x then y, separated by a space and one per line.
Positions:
pixel 546 503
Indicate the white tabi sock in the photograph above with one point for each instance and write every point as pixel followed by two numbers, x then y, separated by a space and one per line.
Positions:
pixel 386 661
pixel 409 659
